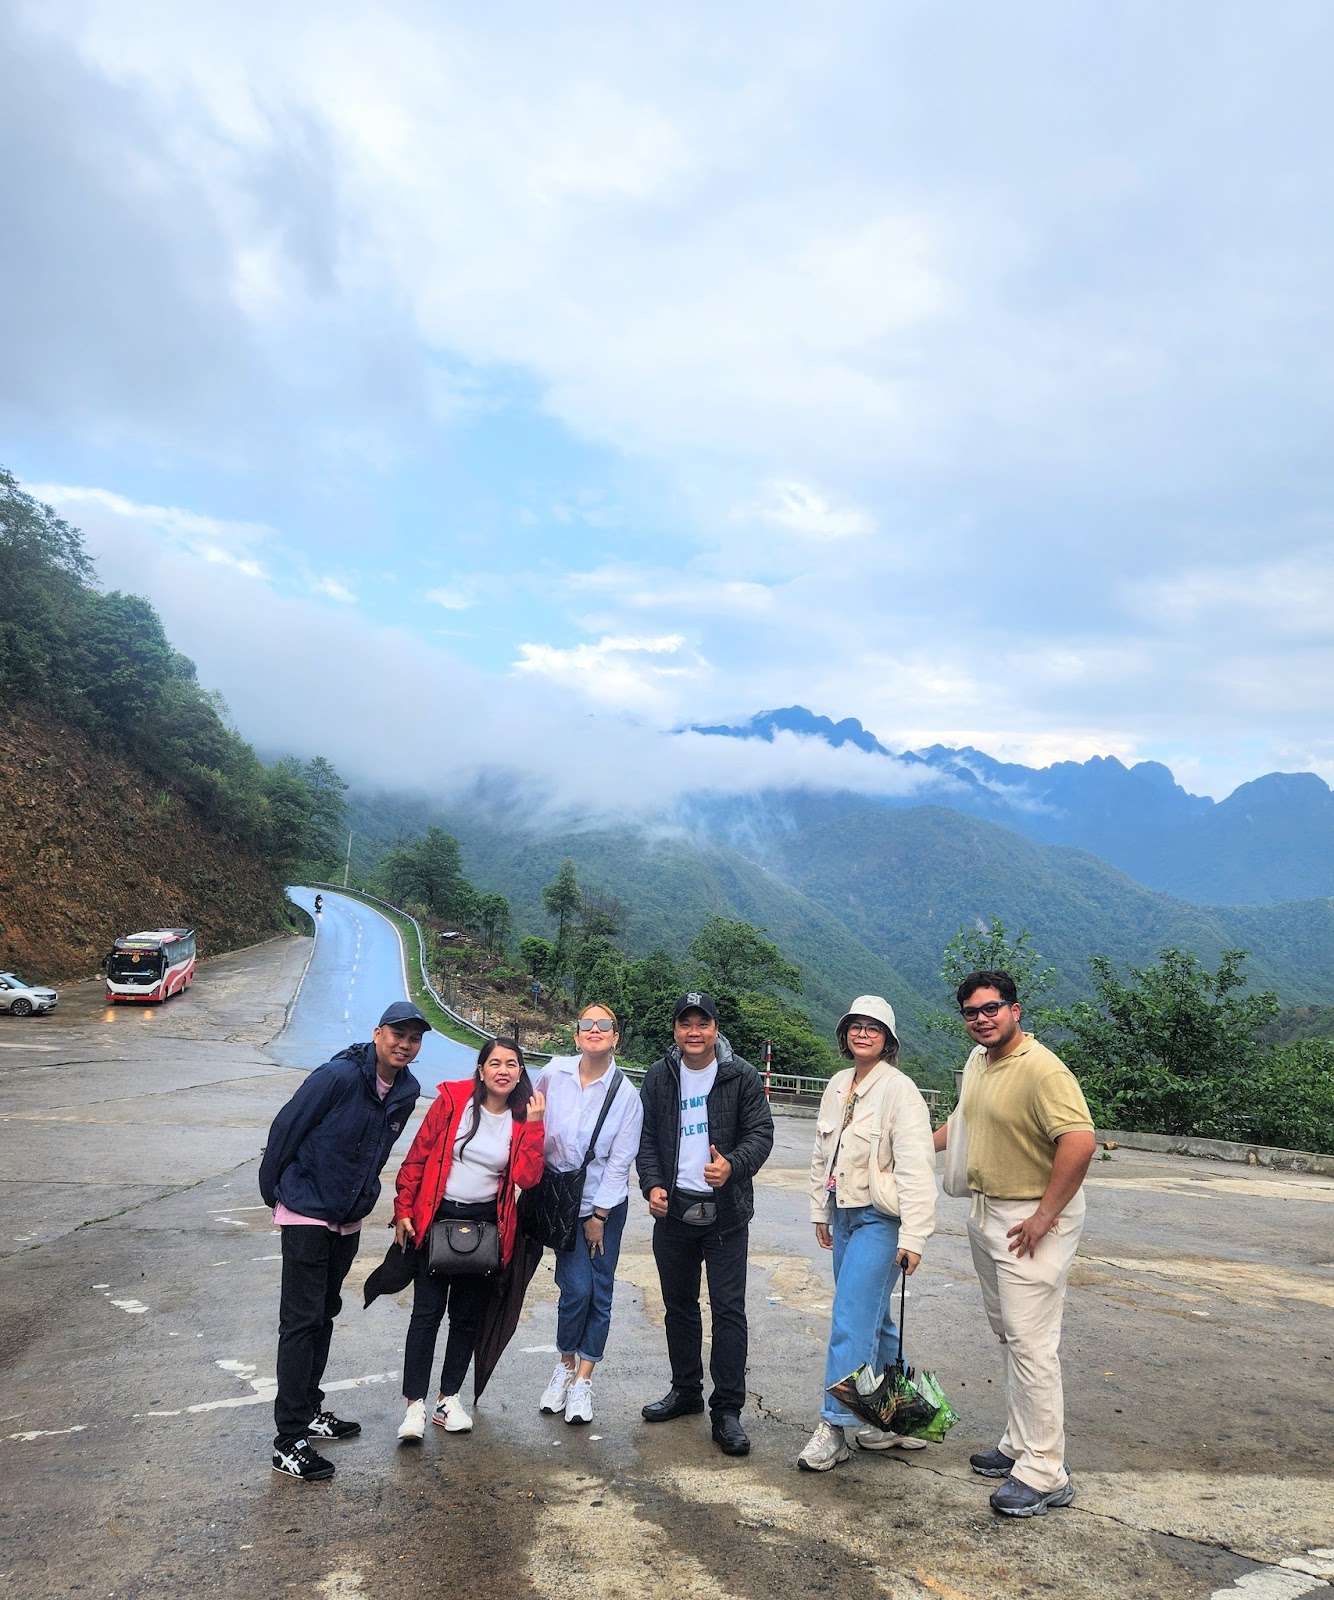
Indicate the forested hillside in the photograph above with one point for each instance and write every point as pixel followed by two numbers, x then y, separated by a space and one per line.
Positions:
pixel 904 881
pixel 669 884
pixel 125 798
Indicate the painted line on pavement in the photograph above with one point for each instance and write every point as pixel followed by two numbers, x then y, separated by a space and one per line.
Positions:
pixel 265 1389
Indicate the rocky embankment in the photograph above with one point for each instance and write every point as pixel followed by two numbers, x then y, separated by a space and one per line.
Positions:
pixel 90 849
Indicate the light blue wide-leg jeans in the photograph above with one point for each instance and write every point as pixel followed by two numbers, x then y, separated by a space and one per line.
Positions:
pixel 862 1329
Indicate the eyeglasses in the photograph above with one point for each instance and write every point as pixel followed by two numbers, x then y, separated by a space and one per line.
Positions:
pixel 988 1008
pixel 596 1025
pixel 865 1027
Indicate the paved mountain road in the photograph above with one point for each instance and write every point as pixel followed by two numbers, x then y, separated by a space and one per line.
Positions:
pixel 138 1355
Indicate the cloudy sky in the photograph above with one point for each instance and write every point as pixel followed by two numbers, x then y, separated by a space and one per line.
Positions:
pixel 480 370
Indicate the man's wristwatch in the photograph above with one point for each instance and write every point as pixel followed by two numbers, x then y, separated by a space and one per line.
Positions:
pixel 599 1216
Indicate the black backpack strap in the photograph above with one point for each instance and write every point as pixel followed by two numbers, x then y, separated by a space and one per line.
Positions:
pixel 616 1080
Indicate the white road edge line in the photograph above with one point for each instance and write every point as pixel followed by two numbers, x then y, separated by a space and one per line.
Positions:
pixel 264 1395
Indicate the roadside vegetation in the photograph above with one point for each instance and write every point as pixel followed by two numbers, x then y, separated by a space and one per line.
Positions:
pixel 1174 1047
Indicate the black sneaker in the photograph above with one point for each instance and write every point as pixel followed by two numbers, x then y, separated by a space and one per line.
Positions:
pixel 324 1425
pixel 300 1461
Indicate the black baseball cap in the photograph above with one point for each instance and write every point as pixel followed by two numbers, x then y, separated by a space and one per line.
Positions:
pixel 693 1000
pixel 403 1011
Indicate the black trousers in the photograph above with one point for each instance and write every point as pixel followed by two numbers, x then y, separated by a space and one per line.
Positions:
pixel 464 1296
pixel 315 1262
pixel 681 1253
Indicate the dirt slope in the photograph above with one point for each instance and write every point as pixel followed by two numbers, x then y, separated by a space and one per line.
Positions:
pixel 90 848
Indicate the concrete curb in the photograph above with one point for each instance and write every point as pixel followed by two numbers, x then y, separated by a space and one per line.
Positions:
pixel 1250 1155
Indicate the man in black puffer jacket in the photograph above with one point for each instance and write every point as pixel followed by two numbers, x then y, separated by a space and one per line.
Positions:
pixel 707 1132
pixel 321 1174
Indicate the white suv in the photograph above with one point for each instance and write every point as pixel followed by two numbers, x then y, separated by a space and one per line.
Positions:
pixel 22 999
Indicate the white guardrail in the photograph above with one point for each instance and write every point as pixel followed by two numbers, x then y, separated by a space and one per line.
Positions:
pixel 781 1086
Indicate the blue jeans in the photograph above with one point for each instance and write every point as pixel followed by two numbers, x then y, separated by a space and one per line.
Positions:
pixel 586 1282
pixel 862 1329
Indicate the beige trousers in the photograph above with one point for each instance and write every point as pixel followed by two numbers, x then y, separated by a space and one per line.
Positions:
pixel 1024 1297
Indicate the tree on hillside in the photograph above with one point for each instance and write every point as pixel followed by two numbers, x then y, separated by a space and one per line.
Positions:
pixel 492 918
pixel 541 959
pixel 328 809
pixel 561 898
pixel 730 954
pixel 1170 1048
pixel 650 987
pixel 602 915
pixel 599 973
pixel 429 872
pixel 991 947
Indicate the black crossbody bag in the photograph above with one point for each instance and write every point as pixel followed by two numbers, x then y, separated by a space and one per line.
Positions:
pixel 550 1212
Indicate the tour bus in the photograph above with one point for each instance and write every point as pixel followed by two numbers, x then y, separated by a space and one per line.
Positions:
pixel 152 965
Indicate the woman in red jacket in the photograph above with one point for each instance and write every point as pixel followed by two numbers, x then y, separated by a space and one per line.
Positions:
pixel 481 1137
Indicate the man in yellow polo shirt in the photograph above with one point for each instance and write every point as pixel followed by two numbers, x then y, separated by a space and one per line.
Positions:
pixel 1030 1141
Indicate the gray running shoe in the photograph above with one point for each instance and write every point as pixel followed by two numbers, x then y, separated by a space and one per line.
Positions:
pixel 992 1464
pixel 1015 1499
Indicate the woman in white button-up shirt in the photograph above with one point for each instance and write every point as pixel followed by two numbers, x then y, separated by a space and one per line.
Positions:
pixel 576 1089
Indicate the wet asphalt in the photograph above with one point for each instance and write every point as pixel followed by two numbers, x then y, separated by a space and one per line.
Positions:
pixel 138 1302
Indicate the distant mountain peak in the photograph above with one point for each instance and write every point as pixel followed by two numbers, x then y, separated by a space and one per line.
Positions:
pixel 798 719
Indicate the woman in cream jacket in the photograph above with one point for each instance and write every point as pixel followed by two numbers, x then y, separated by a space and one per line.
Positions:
pixel 873 1203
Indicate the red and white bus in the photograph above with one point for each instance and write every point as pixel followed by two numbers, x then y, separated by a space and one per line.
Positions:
pixel 152 965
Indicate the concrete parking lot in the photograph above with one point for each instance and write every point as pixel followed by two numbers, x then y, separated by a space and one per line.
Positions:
pixel 138 1300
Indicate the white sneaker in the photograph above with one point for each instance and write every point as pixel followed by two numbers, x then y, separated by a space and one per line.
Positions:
pixel 450 1415
pixel 579 1401
pixel 413 1425
pixel 883 1439
pixel 553 1396
pixel 825 1448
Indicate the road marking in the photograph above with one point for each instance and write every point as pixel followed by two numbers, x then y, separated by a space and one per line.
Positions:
pixel 134 1308
pixel 28 1047
pixel 265 1389
pixel 1269 1583
pixel 226 1209
pixel 266 1258
pixel 46 1433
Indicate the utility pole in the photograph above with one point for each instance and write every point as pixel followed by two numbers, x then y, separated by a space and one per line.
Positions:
pixel 348 862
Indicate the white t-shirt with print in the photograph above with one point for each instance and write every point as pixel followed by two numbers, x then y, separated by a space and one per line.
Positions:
pixel 693 1154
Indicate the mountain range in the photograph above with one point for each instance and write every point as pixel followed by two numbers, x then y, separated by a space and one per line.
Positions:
pixel 1270 841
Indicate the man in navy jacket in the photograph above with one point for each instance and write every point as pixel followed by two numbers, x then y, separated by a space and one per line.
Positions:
pixel 321 1174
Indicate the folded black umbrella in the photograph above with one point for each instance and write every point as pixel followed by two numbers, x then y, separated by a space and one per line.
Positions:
pixel 395 1272
pixel 501 1316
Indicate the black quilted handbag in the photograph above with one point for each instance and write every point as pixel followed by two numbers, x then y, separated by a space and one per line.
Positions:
pixel 550 1212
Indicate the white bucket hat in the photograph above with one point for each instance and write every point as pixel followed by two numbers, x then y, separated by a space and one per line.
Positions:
pixel 869 1005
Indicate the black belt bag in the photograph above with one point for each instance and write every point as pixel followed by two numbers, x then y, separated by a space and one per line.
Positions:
pixel 695 1210
pixel 464 1246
